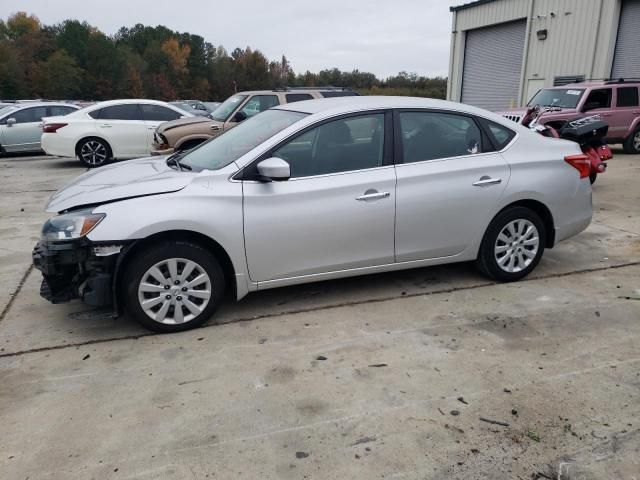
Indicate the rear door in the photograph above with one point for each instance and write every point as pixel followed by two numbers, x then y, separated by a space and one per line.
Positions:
pixel 626 111
pixel 24 135
pixel 449 182
pixel 122 126
pixel 153 115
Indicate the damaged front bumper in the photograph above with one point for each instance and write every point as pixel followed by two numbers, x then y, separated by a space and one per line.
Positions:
pixel 77 269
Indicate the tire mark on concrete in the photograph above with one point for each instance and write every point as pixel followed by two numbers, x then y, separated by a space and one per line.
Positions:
pixel 303 310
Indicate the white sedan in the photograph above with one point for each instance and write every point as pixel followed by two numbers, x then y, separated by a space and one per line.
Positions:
pixel 116 129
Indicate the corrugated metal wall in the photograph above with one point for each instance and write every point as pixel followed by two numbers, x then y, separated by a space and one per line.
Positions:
pixel 626 62
pixel 580 38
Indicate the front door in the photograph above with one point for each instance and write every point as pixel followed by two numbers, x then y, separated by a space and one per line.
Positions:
pixel 336 212
pixel 24 135
pixel 449 182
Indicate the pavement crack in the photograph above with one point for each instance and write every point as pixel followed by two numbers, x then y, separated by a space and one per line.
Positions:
pixel 301 310
pixel 15 293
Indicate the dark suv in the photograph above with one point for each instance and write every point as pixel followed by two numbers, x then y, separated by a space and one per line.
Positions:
pixel 617 103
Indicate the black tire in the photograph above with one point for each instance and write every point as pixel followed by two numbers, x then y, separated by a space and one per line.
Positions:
pixel 93 152
pixel 138 270
pixel 631 144
pixel 593 177
pixel 487 261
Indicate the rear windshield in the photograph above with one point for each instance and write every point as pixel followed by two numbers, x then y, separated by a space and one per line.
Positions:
pixel 235 142
pixel 557 97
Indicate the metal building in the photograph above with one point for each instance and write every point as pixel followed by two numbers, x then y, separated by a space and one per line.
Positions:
pixel 504 51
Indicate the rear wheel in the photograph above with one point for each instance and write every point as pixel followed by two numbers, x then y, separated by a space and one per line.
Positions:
pixel 512 245
pixel 93 152
pixel 632 143
pixel 173 286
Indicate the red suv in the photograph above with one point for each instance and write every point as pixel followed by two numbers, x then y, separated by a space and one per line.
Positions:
pixel 617 103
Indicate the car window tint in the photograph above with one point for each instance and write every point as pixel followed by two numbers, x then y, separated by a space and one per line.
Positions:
pixel 627 97
pixel 259 103
pixel 332 94
pixel 354 143
pixel 430 135
pixel 128 111
pixel 158 113
pixel 599 98
pixel 500 134
pixel 56 110
pixel 297 97
pixel 30 115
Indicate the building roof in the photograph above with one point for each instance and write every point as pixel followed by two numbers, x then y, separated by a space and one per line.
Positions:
pixel 464 6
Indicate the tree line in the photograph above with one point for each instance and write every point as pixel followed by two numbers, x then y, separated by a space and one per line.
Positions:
pixel 74 60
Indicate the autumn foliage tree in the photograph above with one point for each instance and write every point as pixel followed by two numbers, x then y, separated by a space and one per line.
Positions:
pixel 74 60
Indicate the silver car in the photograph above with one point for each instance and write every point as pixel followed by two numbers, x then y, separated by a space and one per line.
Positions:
pixel 21 124
pixel 310 191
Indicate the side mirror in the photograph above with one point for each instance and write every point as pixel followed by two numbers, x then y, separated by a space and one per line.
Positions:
pixel 239 117
pixel 11 121
pixel 274 169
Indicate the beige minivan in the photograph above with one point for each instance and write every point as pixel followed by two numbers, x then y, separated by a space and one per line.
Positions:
pixel 186 133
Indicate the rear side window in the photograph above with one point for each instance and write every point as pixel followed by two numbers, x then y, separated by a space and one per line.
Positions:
pixel 297 97
pixel 627 97
pixel 433 135
pixel 56 110
pixel 500 135
pixel 118 112
pixel 337 93
pixel 158 113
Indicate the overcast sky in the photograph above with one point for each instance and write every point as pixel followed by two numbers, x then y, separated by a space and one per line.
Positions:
pixel 379 36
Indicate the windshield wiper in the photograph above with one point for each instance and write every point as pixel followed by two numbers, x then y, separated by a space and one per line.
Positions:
pixel 174 159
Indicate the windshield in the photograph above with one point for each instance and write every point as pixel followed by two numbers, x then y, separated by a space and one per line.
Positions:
pixel 223 111
pixel 557 97
pixel 7 109
pixel 235 142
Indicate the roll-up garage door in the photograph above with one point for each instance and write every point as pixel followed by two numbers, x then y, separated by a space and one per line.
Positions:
pixel 492 65
pixel 626 62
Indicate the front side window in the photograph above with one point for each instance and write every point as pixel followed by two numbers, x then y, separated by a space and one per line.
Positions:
pixel 118 112
pixel 557 97
pixel 627 97
pixel 600 98
pixel 158 113
pixel 30 115
pixel 235 142
pixel 354 143
pixel 431 135
pixel 259 103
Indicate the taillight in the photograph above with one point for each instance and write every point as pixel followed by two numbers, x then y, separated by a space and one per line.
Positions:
pixel 580 162
pixel 53 127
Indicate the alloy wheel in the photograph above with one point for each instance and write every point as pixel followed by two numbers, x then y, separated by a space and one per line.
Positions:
pixel 636 140
pixel 174 291
pixel 517 245
pixel 93 152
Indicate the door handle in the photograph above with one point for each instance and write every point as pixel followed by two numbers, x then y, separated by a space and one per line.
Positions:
pixel 484 181
pixel 105 125
pixel 372 195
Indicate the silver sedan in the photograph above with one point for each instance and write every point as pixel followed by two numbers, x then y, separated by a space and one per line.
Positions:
pixel 21 124
pixel 311 191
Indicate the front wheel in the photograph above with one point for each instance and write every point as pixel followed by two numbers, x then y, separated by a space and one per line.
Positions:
pixel 173 286
pixel 93 152
pixel 512 245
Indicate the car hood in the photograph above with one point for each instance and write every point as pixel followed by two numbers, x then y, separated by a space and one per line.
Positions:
pixel 134 178
pixel 163 127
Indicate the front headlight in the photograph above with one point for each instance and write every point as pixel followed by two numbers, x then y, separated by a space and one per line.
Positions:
pixel 71 225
